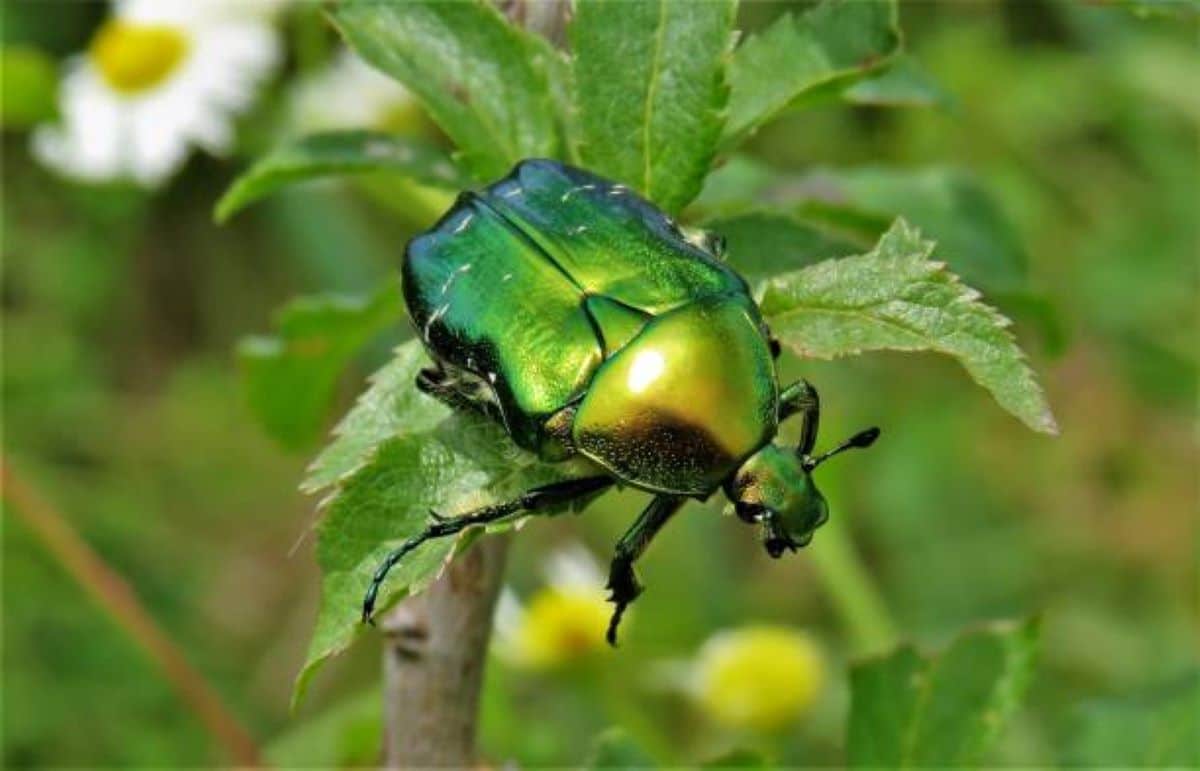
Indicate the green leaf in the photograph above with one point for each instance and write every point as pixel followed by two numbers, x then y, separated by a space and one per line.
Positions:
pixel 475 74
pixel 336 153
pixel 1155 728
pixel 946 710
pixel 894 297
pixel 397 455
pixel 28 88
pixel 903 84
pixel 975 237
pixel 650 87
pixel 290 377
pixel 391 406
pixel 346 735
pixel 973 234
pixel 800 57
pixel 761 244
pixel 616 749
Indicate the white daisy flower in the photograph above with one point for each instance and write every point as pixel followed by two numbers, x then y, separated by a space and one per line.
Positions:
pixel 350 94
pixel 563 622
pixel 159 77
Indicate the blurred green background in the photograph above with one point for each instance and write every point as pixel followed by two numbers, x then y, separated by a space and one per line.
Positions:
pixel 124 406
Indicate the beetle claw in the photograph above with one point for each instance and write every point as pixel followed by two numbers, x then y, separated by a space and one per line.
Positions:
pixel 437 517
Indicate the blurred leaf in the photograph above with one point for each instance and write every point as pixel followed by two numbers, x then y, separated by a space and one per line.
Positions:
pixel 290 377
pixel 761 244
pixel 973 234
pixel 975 237
pixel 1158 373
pixel 474 72
pixel 556 67
pixel 894 297
pixel 1152 729
pixel 1185 9
pixel 737 758
pixel 738 183
pixel 28 88
pixel 399 454
pixel 616 749
pixel 797 57
pixel 905 83
pixel 914 711
pixel 338 153
pixel 1041 314
pixel 650 88
pixel 346 735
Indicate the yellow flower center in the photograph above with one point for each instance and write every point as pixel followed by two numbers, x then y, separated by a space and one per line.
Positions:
pixel 562 625
pixel 759 678
pixel 136 57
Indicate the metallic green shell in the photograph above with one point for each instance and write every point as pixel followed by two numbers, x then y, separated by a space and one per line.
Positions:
pixel 532 283
pixel 680 406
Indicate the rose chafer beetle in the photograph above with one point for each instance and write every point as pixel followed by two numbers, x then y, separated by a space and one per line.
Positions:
pixel 587 323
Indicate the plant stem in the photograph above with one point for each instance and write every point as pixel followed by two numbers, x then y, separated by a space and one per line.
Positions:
pixel 434 652
pixel 853 591
pixel 116 597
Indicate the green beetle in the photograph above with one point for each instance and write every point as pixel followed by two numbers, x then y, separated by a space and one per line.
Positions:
pixel 587 322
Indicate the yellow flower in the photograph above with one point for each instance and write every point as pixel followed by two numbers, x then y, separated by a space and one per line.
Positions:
pixel 759 678
pixel 563 622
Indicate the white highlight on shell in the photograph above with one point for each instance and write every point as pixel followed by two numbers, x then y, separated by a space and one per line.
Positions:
pixel 647 367
pixel 462 225
pixel 567 195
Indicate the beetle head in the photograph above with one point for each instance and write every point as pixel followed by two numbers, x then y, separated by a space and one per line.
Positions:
pixel 775 488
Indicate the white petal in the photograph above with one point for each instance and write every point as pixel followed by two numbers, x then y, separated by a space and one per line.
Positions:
pixel 573 566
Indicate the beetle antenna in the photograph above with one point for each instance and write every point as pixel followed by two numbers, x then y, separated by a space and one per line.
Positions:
pixel 861 440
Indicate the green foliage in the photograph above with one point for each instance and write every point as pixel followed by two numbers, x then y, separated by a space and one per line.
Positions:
pixel 801 57
pixel 946 710
pixel 291 376
pixel 616 749
pixel 1156 728
pixel 341 153
pixel 972 234
pixel 895 297
pixel 346 735
pixel 860 203
pixel 905 83
pixel 390 406
pixel 475 74
pixel 762 244
pixel 396 458
pixel 650 85
pixel 28 87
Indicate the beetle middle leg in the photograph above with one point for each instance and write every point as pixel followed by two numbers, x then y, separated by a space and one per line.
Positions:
pixel 801 397
pixel 622 581
pixel 532 500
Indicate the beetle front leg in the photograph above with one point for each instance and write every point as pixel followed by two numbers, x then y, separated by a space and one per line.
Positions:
pixel 801 397
pixel 457 395
pixel 531 501
pixel 622 581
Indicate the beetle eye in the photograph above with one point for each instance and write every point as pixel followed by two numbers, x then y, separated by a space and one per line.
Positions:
pixel 716 245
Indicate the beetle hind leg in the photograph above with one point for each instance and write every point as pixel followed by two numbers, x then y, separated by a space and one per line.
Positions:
pixel 531 501
pixel 623 585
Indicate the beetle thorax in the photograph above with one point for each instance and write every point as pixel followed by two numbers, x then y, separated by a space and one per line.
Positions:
pixel 682 404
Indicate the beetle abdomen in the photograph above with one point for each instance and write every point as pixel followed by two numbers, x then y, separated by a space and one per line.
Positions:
pixel 684 402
